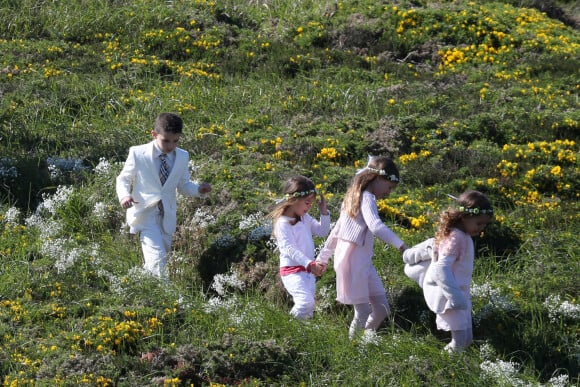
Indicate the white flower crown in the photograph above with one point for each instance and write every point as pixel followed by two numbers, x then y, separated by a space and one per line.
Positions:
pixel 476 210
pixel 381 172
pixel 299 194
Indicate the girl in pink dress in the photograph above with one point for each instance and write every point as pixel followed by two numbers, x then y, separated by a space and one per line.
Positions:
pixel 447 282
pixel 351 241
pixel 293 229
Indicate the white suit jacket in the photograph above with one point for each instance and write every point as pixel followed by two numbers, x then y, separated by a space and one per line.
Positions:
pixel 140 179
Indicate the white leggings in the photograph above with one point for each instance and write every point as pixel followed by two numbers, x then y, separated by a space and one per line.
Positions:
pixel 363 318
pixel 460 340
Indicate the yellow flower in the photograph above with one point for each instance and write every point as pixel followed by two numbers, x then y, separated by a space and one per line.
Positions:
pixel 328 154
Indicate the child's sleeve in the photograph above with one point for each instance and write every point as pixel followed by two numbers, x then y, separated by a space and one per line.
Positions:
pixel 443 276
pixel 420 252
pixel 322 227
pixel 417 260
pixel 126 177
pixel 375 224
pixel 329 246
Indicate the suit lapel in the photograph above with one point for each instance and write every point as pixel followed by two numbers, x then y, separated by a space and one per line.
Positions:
pixel 148 159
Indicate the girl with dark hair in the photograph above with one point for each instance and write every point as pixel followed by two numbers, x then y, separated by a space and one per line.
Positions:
pixel 293 229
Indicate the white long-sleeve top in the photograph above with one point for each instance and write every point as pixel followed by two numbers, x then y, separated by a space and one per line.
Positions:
pixel 295 242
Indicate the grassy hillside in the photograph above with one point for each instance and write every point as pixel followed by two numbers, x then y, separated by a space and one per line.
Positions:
pixel 461 94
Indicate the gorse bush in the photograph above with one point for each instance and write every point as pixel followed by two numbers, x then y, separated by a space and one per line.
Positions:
pixel 480 95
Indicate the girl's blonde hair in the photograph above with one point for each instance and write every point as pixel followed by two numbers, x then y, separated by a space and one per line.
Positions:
pixel 295 188
pixel 377 168
pixel 469 203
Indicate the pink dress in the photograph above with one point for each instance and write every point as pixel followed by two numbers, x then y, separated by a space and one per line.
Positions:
pixel 447 283
pixel 352 243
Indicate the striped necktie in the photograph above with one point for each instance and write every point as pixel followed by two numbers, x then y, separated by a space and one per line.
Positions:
pixel 164 170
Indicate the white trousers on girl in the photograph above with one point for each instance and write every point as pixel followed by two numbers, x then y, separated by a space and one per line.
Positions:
pixel 302 287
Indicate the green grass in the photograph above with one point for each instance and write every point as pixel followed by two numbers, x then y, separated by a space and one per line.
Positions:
pixel 461 94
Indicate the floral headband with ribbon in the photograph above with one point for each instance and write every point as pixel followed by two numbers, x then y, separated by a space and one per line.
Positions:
pixel 473 210
pixel 380 172
pixel 476 210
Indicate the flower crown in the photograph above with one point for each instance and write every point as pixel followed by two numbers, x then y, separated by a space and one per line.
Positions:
pixel 299 194
pixel 477 211
pixel 381 172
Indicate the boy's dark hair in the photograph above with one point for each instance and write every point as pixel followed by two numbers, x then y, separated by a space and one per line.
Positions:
pixel 168 123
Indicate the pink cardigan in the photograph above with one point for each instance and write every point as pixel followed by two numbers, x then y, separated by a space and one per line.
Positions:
pixel 355 229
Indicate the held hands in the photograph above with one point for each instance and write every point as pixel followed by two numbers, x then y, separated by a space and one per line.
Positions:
pixel 322 205
pixel 316 268
pixel 323 267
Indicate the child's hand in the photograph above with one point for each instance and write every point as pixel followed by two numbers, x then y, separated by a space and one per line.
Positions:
pixel 403 248
pixel 316 268
pixel 204 188
pixel 322 205
pixel 127 202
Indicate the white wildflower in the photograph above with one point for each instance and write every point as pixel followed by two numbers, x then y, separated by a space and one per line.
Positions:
pixel 250 221
pixel 55 173
pixel 100 210
pixel 502 372
pixel 487 351
pixel 248 316
pixel 497 301
pixel 11 216
pixel 222 283
pixel 103 167
pixel 136 274
pixel 558 381
pixel 217 304
pixel 68 259
pixel 370 337
pixel 326 299
pixel 558 309
pixel 202 218
pixel 52 203
pixel 48 228
pixel 65 253
pixel 193 167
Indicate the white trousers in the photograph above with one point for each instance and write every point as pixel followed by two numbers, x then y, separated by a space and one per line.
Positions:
pixel 155 244
pixel 302 288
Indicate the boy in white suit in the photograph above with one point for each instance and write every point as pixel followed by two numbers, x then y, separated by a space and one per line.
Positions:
pixel 147 187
